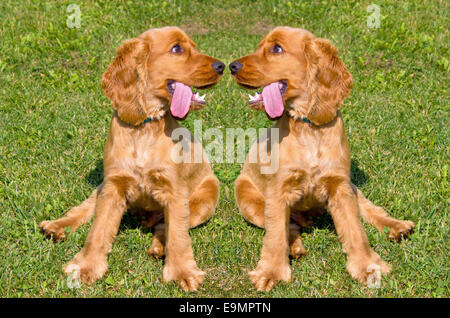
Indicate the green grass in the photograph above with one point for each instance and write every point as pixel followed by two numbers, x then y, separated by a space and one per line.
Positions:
pixel 54 121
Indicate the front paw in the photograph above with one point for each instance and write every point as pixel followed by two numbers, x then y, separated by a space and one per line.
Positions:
pixel 401 230
pixel 87 269
pixel 156 250
pixel 51 229
pixel 296 249
pixel 188 277
pixel 265 276
pixel 367 269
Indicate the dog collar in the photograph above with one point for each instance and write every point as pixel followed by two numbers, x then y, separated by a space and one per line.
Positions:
pixel 304 119
pixel 299 118
pixel 149 119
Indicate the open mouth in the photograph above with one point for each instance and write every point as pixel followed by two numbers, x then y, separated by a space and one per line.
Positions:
pixel 272 98
pixel 183 97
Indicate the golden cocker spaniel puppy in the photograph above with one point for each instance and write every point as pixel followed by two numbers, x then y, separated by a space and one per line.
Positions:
pixel 149 84
pixel 304 85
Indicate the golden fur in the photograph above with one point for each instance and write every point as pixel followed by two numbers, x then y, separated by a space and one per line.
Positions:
pixel 139 173
pixel 314 159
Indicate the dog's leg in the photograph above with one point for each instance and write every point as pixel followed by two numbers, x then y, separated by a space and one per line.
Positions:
pixel 91 261
pixel 180 264
pixel 296 248
pixel 251 204
pixel 343 206
pixel 158 241
pixel 203 201
pixel 375 215
pixel 76 217
pixel 274 263
pixel 250 200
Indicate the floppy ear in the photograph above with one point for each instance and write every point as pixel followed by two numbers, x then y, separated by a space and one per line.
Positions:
pixel 329 82
pixel 125 79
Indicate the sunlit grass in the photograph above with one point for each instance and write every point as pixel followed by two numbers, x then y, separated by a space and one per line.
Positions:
pixel 54 121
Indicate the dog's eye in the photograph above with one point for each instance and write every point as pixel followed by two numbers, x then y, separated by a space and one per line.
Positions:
pixel 276 49
pixel 177 49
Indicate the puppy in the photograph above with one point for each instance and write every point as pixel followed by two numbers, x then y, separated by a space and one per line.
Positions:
pixel 149 84
pixel 304 84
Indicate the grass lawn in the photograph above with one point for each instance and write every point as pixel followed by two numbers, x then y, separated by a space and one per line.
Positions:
pixel 54 121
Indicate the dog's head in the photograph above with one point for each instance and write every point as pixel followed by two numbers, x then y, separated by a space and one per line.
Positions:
pixel 156 70
pixel 298 72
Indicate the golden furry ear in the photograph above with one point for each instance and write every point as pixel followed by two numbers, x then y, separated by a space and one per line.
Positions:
pixel 329 82
pixel 124 81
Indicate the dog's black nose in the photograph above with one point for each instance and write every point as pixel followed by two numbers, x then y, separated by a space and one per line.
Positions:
pixel 218 67
pixel 235 67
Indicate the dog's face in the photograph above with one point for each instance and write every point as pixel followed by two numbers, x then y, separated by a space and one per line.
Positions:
pixel 298 72
pixel 156 70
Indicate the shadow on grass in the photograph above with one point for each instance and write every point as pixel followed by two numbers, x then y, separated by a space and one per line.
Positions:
pixel 95 177
pixel 357 176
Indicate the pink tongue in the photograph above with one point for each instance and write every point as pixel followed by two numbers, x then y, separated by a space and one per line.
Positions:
pixel 181 100
pixel 273 102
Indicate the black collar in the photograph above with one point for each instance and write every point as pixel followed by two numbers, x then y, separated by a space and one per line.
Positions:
pixel 149 119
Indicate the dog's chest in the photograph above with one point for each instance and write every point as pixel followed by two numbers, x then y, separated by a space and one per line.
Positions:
pixel 312 162
pixel 307 154
pixel 143 159
pixel 141 156
pixel 304 190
